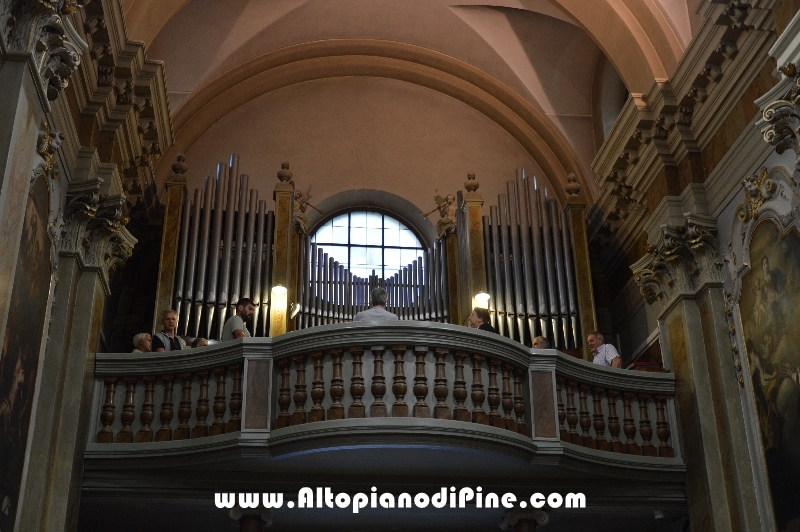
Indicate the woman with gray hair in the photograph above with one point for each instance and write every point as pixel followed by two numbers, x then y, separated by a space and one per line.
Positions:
pixel 141 343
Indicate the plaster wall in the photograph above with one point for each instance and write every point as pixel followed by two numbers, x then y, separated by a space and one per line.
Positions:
pixel 354 133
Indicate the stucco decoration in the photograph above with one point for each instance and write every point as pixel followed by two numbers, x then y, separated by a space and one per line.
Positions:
pixel 684 260
pixel 43 28
pixel 782 118
pixel 94 230
pixel 47 168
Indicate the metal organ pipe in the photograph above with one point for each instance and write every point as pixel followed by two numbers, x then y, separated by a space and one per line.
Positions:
pixel 203 257
pixel 216 233
pixel 559 267
pixel 259 252
pixel 184 239
pixel 527 253
pixel 192 259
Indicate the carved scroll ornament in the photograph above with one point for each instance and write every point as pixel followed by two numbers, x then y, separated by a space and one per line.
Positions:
pixel 43 28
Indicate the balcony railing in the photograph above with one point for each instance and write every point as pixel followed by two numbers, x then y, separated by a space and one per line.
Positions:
pixel 356 383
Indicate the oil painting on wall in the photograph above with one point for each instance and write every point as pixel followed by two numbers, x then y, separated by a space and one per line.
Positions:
pixel 19 358
pixel 769 304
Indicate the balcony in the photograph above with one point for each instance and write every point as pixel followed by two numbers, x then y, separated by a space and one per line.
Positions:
pixel 407 406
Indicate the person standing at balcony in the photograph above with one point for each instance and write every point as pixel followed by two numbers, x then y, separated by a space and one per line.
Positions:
pixel 167 340
pixel 604 354
pixel 378 298
pixel 479 319
pixel 235 328
pixel 142 343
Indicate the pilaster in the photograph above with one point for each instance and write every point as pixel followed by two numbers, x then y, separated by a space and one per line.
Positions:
pixel 473 202
pixel 682 272
pixel 170 233
pixel 282 248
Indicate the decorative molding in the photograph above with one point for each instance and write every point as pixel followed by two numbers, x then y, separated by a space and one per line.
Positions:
pixel 685 260
pixel 677 116
pixel 43 29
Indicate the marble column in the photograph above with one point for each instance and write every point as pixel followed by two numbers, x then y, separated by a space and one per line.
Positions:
pixel 682 273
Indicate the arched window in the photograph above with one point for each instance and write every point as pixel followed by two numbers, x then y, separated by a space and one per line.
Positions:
pixel 363 241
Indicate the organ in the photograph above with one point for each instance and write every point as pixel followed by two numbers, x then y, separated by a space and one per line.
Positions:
pixel 525 253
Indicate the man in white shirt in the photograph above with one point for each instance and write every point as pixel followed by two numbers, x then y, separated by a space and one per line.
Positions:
pixel 142 342
pixel 604 354
pixel 235 328
pixel 378 298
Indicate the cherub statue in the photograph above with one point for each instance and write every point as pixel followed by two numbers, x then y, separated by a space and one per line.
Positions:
pixel 446 205
pixel 301 205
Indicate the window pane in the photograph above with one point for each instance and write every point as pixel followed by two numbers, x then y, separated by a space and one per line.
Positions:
pixel 391 223
pixel 374 219
pixel 358 257
pixel 340 221
pixel 407 256
pixel 374 236
pixel 407 238
pixel 339 235
pixel 339 253
pixel 375 257
pixel 358 235
pixel 392 258
pixel 358 219
pixel 324 234
pixel 391 237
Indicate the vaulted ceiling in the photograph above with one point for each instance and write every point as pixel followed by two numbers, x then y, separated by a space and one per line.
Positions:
pixel 534 70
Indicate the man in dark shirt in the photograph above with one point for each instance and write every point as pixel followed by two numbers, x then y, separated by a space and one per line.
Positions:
pixel 167 340
pixel 479 319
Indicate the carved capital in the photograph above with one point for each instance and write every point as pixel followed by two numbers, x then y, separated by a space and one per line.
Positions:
pixel 94 230
pixel 42 28
pixel 685 258
pixel 783 115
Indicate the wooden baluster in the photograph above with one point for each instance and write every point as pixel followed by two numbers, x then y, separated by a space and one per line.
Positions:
pixel 145 433
pixel 613 422
pixel 200 429
pixel 399 388
pixel 125 435
pixel 378 407
pixel 645 430
pixel 284 399
pixel 441 410
pixel 519 403
pixel 165 432
pixel 106 434
pixel 562 414
pixel 185 410
pixel 629 427
pixel 495 417
pixel 421 408
pixel 299 415
pixel 508 398
pixel 218 427
pixel 336 410
pixel 460 412
pixel 478 395
pixel 599 420
pixel 572 414
pixel 357 388
pixel 235 421
pixel 317 412
pixel 662 428
pixel 586 421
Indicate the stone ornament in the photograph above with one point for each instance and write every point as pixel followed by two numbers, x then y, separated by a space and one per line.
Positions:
pixel 684 261
pixel 42 28
pixel 446 205
pixel 783 115
pixel 94 230
pixel 301 205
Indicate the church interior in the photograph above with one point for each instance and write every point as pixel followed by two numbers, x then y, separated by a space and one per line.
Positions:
pixel 621 170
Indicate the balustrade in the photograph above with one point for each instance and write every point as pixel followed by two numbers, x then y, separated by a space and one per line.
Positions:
pixel 583 410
